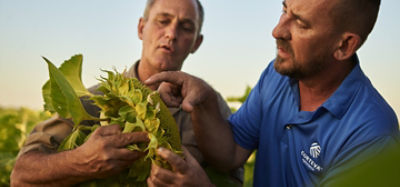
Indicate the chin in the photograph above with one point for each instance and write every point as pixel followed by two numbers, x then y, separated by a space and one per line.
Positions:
pixel 167 66
pixel 285 67
pixel 161 63
pixel 280 64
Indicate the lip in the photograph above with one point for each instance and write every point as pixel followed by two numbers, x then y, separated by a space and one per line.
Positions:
pixel 166 48
pixel 283 53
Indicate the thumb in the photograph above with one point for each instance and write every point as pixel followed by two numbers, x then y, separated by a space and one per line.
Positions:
pixel 188 157
pixel 191 101
pixel 166 91
pixel 187 106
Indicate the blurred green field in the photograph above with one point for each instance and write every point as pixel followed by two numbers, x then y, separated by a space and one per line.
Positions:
pixel 15 125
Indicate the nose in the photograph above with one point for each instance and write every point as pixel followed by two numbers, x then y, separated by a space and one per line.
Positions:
pixel 172 31
pixel 282 30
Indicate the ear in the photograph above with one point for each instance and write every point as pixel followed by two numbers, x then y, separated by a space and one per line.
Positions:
pixel 140 27
pixel 197 43
pixel 347 46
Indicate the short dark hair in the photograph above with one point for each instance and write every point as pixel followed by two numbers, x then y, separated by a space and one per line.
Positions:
pixel 200 10
pixel 358 16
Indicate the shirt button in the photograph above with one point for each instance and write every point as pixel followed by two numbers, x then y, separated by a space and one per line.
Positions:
pixel 288 127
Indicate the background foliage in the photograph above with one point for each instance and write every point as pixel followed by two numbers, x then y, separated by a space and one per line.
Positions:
pixel 15 125
pixel 249 166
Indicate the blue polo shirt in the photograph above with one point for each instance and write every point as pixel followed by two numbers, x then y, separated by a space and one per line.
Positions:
pixel 300 148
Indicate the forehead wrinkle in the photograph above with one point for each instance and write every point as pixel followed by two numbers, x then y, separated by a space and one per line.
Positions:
pixel 293 13
pixel 183 10
pixel 169 15
pixel 299 9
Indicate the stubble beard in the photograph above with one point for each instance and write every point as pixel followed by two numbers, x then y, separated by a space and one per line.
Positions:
pixel 295 69
pixel 289 71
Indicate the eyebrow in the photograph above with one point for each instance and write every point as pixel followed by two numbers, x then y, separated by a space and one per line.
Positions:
pixel 163 15
pixel 171 16
pixel 296 15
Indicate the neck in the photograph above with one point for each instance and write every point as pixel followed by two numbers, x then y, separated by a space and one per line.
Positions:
pixel 315 90
pixel 145 71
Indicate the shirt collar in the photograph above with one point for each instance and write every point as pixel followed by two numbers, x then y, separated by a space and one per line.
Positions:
pixel 133 70
pixel 341 99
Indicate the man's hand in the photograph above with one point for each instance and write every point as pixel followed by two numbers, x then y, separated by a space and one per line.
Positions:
pixel 186 172
pixel 213 133
pixel 105 153
pixel 170 94
pixel 102 155
pixel 182 88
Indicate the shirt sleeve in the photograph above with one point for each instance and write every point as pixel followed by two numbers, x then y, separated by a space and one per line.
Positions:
pixel 47 135
pixel 247 120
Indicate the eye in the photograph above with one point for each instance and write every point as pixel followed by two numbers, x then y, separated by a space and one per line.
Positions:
pixel 187 26
pixel 301 24
pixel 163 21
pixel 284 11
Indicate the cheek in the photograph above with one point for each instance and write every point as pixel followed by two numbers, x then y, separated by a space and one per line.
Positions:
pixel 146 41
pixel 152 33
pixel 304 48
pixel 186 44
pixel 187 39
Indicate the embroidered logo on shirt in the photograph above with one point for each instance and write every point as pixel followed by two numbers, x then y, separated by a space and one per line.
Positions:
pixel 315 149
pixel 309 158
pixel 310 163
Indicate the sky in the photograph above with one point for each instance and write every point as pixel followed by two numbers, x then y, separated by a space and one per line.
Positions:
pixel 237 44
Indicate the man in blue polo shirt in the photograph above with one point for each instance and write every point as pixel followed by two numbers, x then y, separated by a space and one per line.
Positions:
pixel 313 113
pixel 311 147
